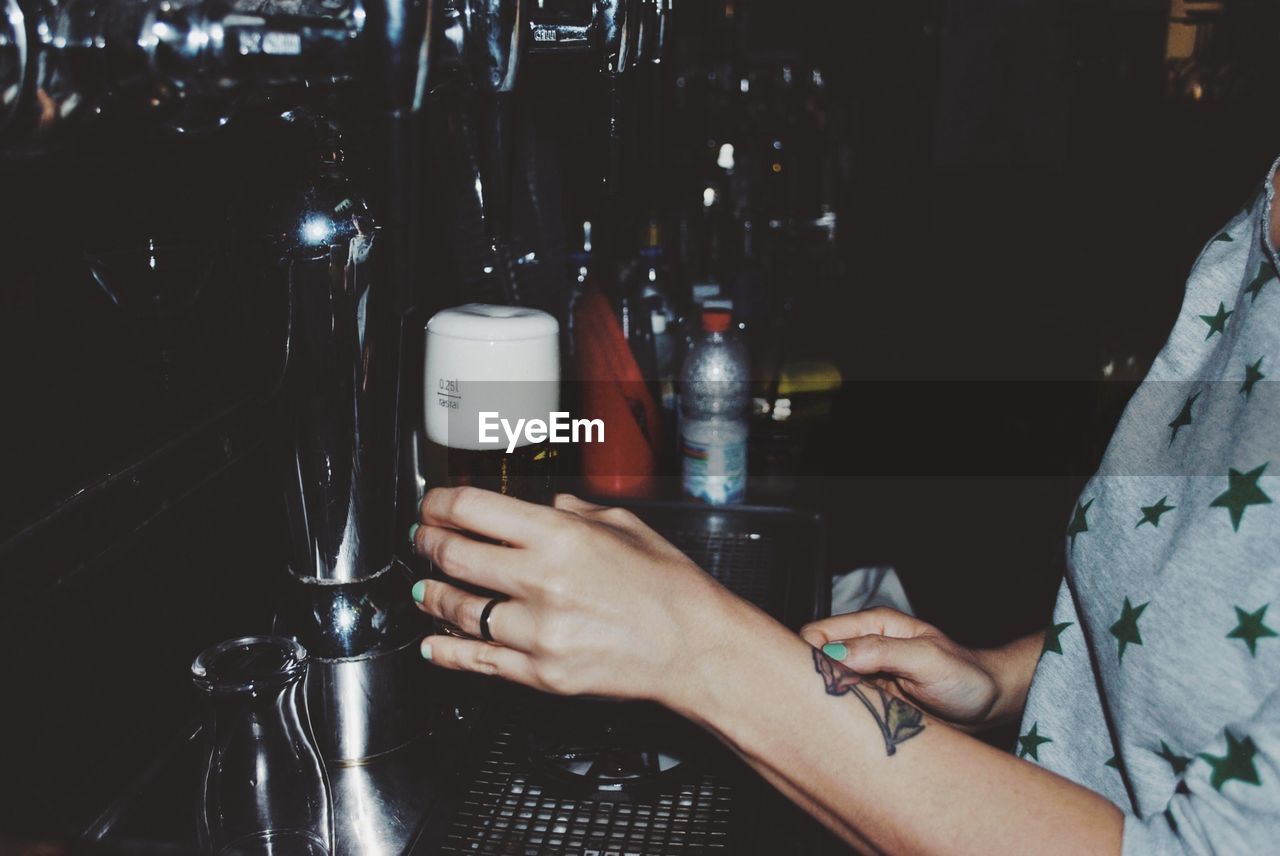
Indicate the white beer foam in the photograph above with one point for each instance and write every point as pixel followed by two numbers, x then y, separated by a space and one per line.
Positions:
pixel 496 359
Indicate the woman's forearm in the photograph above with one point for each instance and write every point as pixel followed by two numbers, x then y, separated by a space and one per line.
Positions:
pixel 875 771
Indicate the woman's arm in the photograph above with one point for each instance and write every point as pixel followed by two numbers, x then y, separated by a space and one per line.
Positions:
pixel 882 775
pixel 599 604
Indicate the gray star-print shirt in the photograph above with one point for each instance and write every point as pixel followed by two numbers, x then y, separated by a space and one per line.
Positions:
pixel 1159 685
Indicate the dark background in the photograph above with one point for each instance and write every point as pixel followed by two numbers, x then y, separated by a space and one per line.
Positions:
pixel 1021 187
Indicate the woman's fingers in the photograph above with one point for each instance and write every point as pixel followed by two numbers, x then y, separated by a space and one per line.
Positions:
pixel 880 621
pixel 569 502
pixel 908 658
pixel 510 623
pixel 470 655
pixel 487 513
pixel 461 557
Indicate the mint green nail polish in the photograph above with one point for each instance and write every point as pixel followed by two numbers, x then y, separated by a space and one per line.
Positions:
pixel 835 650
pixel 419 590
pixel 413 532
pixel 425 648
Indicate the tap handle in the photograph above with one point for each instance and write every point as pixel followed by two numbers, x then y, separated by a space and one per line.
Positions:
pixel 397 39
pixel 654 27
pixel 485 40
pixel 618 34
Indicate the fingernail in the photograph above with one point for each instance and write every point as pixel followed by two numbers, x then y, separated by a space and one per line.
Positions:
pixel 413 532
pixel 425 649
pixel 835 650
pixel 419 591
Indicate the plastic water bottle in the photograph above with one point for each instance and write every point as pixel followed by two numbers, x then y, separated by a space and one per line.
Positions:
pixel 714 411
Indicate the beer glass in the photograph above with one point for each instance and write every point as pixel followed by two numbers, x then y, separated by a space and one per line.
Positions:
pixel 489 371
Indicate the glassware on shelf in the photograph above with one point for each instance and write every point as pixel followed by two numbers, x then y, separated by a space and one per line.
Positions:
pixel 263 786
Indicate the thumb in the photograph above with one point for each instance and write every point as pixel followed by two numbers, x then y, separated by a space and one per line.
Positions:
pixel 908 658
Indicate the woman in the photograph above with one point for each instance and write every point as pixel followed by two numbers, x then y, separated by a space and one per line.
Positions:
pixel 1150 706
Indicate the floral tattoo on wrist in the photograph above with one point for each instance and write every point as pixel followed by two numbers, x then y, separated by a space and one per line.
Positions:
pixel 898 721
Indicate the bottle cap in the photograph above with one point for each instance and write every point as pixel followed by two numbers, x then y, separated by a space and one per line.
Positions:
pixel 716 319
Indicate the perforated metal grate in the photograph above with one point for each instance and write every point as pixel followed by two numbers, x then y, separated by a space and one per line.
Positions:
pixel 513 807
pixel 506 812
pixel 745 562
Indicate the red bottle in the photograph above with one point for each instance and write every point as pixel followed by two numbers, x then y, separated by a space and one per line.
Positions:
pixel 614 390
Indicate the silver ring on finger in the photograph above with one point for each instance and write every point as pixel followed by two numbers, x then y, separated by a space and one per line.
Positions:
pixel 485 632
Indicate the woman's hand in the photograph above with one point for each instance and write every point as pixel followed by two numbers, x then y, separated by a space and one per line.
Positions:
pixel 963 686
pixel 598 603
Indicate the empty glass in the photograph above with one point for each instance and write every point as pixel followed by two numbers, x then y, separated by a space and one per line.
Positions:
pixel 263 787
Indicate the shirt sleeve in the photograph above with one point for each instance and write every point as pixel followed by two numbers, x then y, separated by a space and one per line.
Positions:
pixel 1228 800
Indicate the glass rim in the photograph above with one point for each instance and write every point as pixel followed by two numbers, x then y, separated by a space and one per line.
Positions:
pixel 293 663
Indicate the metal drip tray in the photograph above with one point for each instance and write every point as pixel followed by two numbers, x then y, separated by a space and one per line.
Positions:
pixel 591 778
pixel 509 809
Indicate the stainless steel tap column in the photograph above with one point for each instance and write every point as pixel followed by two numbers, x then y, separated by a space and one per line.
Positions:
pixel 345 594
pixel 352 486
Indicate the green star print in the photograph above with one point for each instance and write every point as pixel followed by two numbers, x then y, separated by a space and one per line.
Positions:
pixel 1079 522
pixel 1250 628
pixel 1029 744
pixel 1266 273
pixel 1183 418
pixel 1217 323
pixel 1242 492
pixel 1176 761
pixel 1052 640
pixel 1236 764
pixel 1152 513
pixel 1252 374
pixel 1225 237
pixel 1126 628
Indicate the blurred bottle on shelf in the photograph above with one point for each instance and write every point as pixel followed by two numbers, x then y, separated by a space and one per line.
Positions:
pixel 652 324
pixel 715 400
pixel 612 388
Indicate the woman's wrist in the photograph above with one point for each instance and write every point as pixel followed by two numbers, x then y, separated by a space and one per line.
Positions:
pixel 1011 668
pixel 719 633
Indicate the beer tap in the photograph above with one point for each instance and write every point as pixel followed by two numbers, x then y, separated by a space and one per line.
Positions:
pixel 482 43
pixel 341 236
pixel 653 30
pixel 579 26
pixel 310 229
pixel 185 62
pixel 616 40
